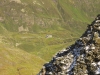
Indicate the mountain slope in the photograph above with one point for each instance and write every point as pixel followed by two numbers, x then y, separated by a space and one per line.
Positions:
pixel 35 15
pixel 18 62
pixel 48 17
pixel 81 58
pixel 43 27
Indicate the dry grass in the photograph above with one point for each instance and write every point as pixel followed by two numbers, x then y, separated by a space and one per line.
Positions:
pixel 18 62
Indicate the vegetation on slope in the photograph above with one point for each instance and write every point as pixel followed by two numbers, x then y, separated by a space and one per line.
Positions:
pixel 18 62
pixel 26 24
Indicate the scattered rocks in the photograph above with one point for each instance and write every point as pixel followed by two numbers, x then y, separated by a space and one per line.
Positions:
pixel 1 19
pixel 17 1
pixel 22 29
pixel 48 36
pixel 81 58
pixel 23 10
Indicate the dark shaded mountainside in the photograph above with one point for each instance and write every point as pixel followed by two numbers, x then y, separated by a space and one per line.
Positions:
pixel 81 58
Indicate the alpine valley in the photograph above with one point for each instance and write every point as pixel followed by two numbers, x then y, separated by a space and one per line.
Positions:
pixel 32 31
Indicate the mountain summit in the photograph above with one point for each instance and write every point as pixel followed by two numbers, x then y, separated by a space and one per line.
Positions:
pixel 81 58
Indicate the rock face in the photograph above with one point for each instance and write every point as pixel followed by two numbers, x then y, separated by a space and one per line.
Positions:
pixel 81 58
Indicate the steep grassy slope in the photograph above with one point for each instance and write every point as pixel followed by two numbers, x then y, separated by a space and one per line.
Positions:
pixel 47 15
pixel 36 15
pixel 17 62
pixel 38 43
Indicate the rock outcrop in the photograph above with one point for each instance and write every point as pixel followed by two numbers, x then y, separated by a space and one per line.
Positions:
pixel 81 58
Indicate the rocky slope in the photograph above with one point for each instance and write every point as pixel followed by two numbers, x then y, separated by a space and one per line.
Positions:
pixel 35 15
pixel 81 58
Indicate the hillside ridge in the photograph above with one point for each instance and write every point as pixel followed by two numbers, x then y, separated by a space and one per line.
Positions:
pixel 81 58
